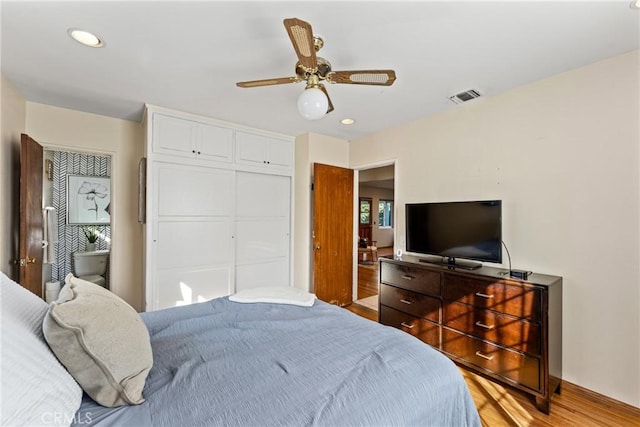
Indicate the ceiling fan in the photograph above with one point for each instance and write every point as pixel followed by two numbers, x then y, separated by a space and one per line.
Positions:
pixel 314 102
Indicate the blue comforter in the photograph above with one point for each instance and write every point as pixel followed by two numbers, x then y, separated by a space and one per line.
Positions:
pixel 221 363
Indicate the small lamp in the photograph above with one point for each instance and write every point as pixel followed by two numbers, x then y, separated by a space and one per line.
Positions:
pixel 313 104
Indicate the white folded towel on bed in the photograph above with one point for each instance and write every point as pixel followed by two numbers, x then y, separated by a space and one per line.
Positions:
pixel 275 295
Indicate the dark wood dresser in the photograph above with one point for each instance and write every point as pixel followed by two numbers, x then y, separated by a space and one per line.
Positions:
pixel 507 329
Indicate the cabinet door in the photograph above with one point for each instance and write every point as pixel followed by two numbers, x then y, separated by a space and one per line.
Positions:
pixel 251 149
pixel 174 136
pixel 280 154
pixel 260 150
pixel 215 143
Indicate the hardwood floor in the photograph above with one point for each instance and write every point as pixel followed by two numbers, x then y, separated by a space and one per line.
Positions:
pixel 506 406
pixel 368 276
pixel 367 280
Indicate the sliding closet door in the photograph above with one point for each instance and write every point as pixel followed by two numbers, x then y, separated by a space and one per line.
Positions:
pixel 192 234
pixel 263 204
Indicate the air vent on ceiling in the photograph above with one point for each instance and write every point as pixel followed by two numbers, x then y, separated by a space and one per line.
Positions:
pixel 465 96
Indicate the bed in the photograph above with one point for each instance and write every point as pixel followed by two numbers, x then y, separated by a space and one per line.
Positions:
pixel 224 363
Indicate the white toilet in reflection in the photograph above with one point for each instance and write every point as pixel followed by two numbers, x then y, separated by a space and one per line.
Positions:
pixel 91 266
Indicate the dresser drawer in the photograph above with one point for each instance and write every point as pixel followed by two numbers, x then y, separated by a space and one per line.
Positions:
pixel 410 278
pixel 520 301
pixel 506 330
pixel 426 331
pixel 409 302
pixel 506 363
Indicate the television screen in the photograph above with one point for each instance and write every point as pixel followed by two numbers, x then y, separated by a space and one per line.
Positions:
pixel 470 230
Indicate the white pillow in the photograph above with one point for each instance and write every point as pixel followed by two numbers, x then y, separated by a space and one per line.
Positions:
pixel 101 340
pixel 275 295
pixel 36 388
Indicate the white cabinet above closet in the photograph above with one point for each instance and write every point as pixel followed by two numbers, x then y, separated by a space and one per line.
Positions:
pixel 191 139
pixel 260 150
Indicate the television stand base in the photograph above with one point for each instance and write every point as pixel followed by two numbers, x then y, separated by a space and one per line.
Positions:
pixel 451 263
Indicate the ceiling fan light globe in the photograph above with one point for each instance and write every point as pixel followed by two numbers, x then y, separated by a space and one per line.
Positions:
pixel 313 104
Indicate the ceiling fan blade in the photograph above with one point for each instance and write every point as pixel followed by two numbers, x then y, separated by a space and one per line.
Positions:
pixel 363 77
pixel 330 108
pixel 301 36
pixel 268 82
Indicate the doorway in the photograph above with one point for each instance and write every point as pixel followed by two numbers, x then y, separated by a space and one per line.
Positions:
pixel 376 220
pixel 73 237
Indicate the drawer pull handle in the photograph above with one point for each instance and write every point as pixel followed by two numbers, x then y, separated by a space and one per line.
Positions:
pixel 484 356
pixel 479 294
pixel 406 325
pixel 407 277
pixel 406 301
pixel 482 325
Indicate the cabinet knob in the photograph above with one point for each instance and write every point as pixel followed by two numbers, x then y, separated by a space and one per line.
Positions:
pixel 193 151
pixel 198 152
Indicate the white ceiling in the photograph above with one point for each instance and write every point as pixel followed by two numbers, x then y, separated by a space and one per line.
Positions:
pixel 188 55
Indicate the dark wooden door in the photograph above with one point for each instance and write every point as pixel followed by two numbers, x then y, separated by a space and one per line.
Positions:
pixel 365 230
pixel 333 244
pixel 31 233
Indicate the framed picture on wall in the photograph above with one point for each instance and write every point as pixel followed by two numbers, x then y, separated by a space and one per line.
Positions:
pixel 88 199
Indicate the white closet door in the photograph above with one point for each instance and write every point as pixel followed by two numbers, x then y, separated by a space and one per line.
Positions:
pixel 190 191
pixel 260 240
pixel 193 234
pixel 262 196
pixel 264 274
pixel 194 243
pixel 184 286
pixel 263 224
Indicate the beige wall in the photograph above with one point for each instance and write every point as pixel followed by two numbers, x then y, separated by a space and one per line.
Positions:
pixel 309 149
pixel 124 140
pixel 12 123
pixel 563 155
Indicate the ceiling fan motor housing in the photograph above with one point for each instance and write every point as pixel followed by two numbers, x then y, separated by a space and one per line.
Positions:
pixel 324 67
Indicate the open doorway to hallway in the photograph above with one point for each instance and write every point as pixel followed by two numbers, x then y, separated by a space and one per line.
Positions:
pixel 375 229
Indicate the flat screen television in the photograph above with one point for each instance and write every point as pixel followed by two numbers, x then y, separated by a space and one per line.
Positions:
pixel 449 230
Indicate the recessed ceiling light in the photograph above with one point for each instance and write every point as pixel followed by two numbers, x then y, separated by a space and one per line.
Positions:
pixel 85 37
pixel 347 121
